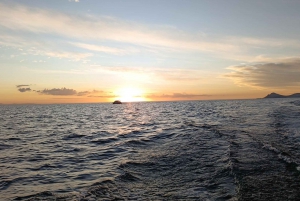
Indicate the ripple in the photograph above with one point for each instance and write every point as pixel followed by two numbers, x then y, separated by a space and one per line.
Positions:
pixel 104 140
pixel 5 146
pixel 127 177
pixel 73 135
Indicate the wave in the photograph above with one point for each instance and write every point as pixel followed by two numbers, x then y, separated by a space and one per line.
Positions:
pixel 73 135
pixel 14 138
pixel 296 102
pixel 137 142
pixel 5 146
pixel 39 196
pixel 127 176
pixel 104 140
pixel 46 166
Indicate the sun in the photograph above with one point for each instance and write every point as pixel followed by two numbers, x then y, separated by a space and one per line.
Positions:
pixel 130 94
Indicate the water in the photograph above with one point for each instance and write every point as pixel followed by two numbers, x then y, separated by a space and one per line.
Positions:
pixel 200 150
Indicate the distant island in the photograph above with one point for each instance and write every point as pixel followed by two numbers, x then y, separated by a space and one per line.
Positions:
pixel 275 95
pixel 117 102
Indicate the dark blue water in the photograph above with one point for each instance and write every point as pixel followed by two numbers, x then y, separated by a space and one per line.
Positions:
pixel 200 150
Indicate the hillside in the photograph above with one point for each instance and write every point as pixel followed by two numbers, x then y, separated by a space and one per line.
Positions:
pixel 275 95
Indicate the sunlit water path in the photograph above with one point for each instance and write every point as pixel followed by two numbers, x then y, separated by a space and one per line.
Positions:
pixel 200 150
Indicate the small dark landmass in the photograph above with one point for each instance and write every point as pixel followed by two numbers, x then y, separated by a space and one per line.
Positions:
pixel 275 95
pixel 117 102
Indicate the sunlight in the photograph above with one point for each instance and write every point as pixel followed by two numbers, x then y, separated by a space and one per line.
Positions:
pixel 130 94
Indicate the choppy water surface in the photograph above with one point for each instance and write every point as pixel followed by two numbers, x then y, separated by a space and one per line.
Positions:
pixel 201 150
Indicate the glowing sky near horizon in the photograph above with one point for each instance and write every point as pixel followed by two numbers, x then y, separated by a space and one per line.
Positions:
pixel 97 51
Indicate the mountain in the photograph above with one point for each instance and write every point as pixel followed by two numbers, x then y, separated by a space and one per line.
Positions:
pixel 296 95
pixel 275 95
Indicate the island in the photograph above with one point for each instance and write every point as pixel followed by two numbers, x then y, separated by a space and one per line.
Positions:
pixel 117 102
pixel 275 95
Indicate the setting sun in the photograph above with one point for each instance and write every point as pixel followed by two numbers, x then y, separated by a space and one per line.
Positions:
pixel 130 94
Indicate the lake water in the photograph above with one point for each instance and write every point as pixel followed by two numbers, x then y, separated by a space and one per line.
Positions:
pixel 198 150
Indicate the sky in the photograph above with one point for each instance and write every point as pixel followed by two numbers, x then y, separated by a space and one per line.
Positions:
pixel 84 51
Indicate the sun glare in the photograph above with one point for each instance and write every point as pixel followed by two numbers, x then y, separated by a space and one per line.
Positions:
pixel 130 94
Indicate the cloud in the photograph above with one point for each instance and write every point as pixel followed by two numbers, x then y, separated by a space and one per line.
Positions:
pixel 104 96
pixel 177 95
pixel 167 74
pixel 119 69
pixel 104 28
pixel 22 85
pixel 67 92
pixel 280 74
pixel 185 75
pixel 74 1
pixel 67 55
pixel 47 71
pixel 105 49
pixel 83 93
pixel 263 42
pixel 36 47
pixel 24 89
pixel 58 92
pixel 16 19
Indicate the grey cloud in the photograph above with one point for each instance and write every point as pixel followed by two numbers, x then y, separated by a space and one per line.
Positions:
pixel 22 85
pixel 24 89
pixel 83 93
pixel 67 92
pixel 58 92
pixel 267 75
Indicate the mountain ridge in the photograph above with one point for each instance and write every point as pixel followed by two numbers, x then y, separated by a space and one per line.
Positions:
pixel 275 95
